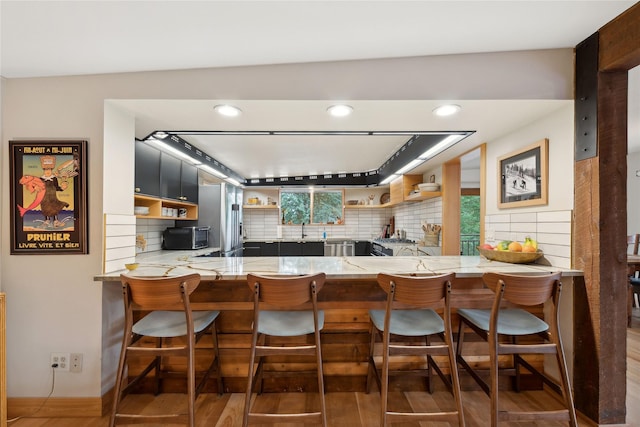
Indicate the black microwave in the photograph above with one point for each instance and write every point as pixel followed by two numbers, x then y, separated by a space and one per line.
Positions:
pixel 185 238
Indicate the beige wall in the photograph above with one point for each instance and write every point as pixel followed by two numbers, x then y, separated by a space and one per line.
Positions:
pixel 53 304
pixel 549 224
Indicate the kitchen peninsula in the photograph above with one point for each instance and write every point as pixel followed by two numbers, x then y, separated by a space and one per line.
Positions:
pixel 336 268
pixel 349 292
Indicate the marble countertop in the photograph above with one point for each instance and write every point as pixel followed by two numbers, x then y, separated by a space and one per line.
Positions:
pixel 328 240
pixel 351 267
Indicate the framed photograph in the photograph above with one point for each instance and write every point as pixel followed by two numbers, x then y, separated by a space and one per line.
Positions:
pixel 48 197
pixel 522 176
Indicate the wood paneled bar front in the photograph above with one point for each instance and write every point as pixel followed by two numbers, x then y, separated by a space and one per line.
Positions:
pixel 349 292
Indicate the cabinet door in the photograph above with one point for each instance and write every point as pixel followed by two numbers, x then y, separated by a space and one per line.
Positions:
pixel 147 173
pixel 313 249
pixel 290 249
pixel 251 249
pixel 170 176
pixel 362 248
pixel 269 249
pixel 189 183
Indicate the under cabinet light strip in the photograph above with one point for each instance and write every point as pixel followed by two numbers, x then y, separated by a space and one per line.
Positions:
pixel 411 165
pixel 388 179
pixel 441 146
pixel 167 147
pixel 213 171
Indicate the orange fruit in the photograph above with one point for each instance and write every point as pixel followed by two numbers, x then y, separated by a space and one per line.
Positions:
pixel 515 247
pixel 528 248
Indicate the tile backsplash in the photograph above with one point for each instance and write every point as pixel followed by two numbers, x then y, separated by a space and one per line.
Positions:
pixel 150 231
pixel 552 230
pixel 359 223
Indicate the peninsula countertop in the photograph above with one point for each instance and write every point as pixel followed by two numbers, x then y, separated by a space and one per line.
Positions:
pixel 348 267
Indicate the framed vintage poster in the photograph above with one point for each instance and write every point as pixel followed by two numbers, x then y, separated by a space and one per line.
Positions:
pixel 48 197
pixel 522 176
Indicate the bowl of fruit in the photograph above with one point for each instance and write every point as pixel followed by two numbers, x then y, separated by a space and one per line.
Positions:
pixel 512 251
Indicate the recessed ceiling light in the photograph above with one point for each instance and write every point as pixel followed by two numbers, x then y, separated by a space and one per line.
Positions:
pixel 446 110
pixel 227 110
pixel 340 110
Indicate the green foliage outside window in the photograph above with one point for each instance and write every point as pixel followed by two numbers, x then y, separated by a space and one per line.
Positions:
pixel 327 206
pixel 311 207
pixel 469 224
pixel 470 215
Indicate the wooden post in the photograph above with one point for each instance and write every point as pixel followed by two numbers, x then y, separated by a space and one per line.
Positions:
pixel 451 207
pixel 3 361
pixel 599 236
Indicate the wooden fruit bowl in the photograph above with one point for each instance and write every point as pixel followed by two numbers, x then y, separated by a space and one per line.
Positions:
pixel 508 256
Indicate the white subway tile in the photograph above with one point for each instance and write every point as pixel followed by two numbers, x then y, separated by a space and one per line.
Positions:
pixel 555 216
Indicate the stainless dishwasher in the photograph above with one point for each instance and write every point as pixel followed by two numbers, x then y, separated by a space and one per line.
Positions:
pixel 339 248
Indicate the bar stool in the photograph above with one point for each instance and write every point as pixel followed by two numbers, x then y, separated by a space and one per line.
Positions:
pixel 512 323
pixel 176 330
pixel 409 313
pixel 280 309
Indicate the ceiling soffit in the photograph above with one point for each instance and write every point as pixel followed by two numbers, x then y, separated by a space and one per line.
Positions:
pixel 418 143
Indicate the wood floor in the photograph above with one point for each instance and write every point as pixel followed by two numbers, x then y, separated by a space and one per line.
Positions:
pixel 360 409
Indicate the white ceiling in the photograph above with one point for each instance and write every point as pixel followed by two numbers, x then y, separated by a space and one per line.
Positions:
pixel 40 38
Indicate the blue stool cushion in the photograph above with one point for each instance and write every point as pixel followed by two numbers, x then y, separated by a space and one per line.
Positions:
pixel 288 323
pixel 510 321
pixel 164 324
pixel 409 323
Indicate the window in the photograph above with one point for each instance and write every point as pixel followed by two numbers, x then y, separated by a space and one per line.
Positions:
pixel 311 206
pixel 469 224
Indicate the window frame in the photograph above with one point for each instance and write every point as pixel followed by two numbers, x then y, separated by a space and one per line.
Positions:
pixel 311 192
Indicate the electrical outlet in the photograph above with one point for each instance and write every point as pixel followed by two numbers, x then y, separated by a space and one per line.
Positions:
pixel 75 362
pixel 61 360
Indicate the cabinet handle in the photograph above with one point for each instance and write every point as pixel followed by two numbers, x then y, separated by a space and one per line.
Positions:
pixel 137 189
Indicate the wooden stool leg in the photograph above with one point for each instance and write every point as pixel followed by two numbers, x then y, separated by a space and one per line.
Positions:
pixel 216 353
pixel 493 368
pixel 191 381
pixel 157 369
pixel 323 408
pixel 429 368
pixel 117 395
pixel 567 392
pixel 252 359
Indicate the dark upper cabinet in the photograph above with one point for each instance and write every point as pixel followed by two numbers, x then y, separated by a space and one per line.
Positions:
pixel 178 179
pixel 147 173
pixel 189 182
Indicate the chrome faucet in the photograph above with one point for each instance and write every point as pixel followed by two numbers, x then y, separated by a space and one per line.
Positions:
pixel 303 235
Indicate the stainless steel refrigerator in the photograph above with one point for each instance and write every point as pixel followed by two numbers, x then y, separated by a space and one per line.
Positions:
pixel 220 208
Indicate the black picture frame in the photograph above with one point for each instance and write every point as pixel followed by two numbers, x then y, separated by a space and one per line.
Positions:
pixel 522 176
pixel 48 197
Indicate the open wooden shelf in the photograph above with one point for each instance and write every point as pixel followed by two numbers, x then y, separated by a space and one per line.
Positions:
pixel 386 205
pixel 423 195
pixel 260 207
pixel 156 204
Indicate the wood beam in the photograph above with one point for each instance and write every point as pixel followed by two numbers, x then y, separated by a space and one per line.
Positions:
pixel 619 42
pixel 599 249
